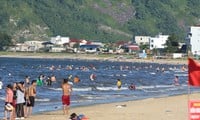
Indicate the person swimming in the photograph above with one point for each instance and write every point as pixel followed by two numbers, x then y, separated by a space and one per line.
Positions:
pixel 119 83
pixel 132 87
pixel 92 77
pixel 76 79
pixel 176 81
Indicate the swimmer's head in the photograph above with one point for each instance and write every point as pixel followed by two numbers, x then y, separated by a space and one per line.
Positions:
pixel 65 80
pixel 9 86
pixel 33 81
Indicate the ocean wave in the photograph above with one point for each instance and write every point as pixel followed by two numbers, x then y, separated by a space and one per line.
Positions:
pixel 145 87
pixel 111 88
pixel 82 89
pixel 184 74
pixel 2 98
pixel 94 97
pixel 42 100
pixel 56 89
pixel 152 73
pixel 154 86
pixel 74 89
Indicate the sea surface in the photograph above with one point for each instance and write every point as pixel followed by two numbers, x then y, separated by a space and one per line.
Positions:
pixel 152 80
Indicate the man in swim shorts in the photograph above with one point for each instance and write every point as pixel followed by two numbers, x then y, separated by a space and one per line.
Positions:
pixel 66 88
pixel 31 93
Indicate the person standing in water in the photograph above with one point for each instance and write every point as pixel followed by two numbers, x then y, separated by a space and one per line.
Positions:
pixel 176 81
pixel 119 83
pixel 27 81
pixel 31 97
pixel 40 80
pixel 67 89
pixel 20 100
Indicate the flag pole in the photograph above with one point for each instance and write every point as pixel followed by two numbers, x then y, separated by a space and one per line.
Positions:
pixel 188 55
pixel 188 99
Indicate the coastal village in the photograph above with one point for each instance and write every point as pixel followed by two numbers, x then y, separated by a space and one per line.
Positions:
pixel 73 45
pixel 71 59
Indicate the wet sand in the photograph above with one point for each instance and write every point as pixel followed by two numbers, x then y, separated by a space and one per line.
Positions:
pixel 167 108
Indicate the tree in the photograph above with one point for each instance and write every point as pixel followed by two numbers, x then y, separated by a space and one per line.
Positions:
pixel 5 40
pixel 172 44
pixel 144 46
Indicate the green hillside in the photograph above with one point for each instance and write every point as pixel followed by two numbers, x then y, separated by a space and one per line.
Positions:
pixel 102 20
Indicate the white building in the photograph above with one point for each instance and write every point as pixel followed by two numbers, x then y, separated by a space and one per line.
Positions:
pixel 195 39
pixel 142 40
pixel 158 42
pixel 58 40
pixel 34 45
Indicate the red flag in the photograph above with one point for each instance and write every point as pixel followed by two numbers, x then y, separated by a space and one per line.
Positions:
pixel 193 72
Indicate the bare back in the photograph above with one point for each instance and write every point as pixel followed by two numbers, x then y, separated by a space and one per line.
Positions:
pixel 32 91
pixel 66 89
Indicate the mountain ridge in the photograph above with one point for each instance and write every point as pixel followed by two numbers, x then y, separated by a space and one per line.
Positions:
pixel 105 20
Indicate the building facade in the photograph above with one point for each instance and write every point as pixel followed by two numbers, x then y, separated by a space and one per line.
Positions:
pixel 158 42
pixel 142 40
pixel 58 40
pixel 195 39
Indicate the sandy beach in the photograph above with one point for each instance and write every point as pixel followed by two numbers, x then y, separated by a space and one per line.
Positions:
pixel 167 108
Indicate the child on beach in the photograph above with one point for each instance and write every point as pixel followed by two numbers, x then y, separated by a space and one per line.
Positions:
pixel 8 102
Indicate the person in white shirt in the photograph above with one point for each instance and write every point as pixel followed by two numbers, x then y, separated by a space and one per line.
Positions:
pixel 20 101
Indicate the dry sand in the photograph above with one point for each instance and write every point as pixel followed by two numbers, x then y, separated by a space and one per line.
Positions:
pixel 167 108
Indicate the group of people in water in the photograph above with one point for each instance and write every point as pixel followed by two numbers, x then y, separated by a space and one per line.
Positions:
pixel 20 99
pixel 130 87
pixel 20 96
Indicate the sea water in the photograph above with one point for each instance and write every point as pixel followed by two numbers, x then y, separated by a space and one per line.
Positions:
pixel 149 78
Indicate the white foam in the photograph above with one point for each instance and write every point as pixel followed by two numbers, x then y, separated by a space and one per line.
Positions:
pixel 184 75
pixel 163 86
pixel 155 86
pixel 2 98
pixel 71 83
pixel 42 100
pixel 57 89
pixel 124 75
pixel 152 73
pixel 82 89
pixel 145 87
pixel 111 88
pixel 73 89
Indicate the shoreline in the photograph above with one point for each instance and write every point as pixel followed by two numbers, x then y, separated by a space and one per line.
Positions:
pixel 101 57
pixel 171 107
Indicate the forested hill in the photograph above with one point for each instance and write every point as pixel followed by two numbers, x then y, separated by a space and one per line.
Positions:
pixel 102 20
